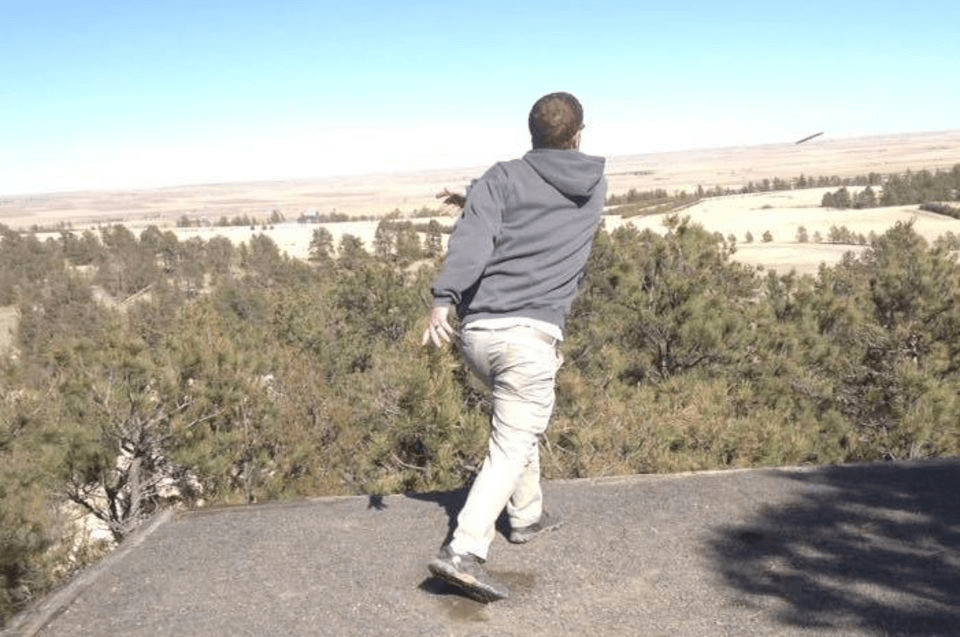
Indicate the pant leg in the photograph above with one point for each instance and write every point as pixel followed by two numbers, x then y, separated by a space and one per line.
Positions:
pixel 526 504
pixel 520 368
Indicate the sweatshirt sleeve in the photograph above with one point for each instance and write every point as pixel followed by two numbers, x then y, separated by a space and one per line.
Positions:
pixel 473 238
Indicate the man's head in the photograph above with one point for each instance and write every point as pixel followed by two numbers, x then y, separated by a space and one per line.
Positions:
pixel 555 122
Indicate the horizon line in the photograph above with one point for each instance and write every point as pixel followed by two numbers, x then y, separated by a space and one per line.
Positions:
pixel 11 197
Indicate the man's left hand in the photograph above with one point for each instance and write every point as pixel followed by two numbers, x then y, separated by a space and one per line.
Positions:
pixel 440 329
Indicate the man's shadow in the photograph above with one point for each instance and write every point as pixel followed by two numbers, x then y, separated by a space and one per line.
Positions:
pixel 452 503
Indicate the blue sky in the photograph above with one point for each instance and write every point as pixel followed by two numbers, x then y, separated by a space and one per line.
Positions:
pixel 147 93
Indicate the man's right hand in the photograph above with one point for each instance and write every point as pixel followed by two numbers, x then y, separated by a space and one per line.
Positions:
pixel 440 329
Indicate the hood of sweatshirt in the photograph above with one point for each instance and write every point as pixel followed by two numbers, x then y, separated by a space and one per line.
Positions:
pixel 571 172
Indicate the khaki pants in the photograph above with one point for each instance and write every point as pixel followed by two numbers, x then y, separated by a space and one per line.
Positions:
pixel 519 365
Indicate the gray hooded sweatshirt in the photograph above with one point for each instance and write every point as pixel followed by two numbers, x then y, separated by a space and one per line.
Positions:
pixel 520 247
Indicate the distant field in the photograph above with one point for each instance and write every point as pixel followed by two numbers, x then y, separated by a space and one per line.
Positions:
pixel 780 213
pixel 783 213
pixel 379 194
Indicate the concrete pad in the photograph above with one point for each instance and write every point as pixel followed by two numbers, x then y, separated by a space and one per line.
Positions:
pixel 869 549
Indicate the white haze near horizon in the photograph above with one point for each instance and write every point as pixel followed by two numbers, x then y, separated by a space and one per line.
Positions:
pixel 223 156
pixel 146 167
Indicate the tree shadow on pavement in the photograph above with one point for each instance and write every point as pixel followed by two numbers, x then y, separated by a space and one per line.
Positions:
pixel 871 547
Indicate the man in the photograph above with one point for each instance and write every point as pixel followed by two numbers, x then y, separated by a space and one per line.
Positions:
pixel 513 264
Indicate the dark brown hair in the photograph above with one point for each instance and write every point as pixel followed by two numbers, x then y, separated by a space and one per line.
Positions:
pixel 555 120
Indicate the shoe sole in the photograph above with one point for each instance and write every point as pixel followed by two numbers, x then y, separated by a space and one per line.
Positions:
pixel 523 538
pixel 470 585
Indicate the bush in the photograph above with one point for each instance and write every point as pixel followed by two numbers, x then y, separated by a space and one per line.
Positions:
pixel 941 209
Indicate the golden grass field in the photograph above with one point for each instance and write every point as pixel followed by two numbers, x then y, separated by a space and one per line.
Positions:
pixel 780 213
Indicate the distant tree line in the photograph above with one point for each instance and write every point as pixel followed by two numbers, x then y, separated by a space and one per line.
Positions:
pixel 395 214
pixel 659 200
pixel 64 225
pixel 275 217
pixel 395 242
pixel 922 187
pixel 633 195
pixel 333 217
pixel 942 209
